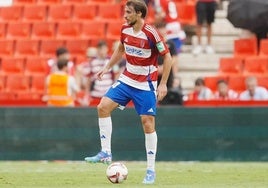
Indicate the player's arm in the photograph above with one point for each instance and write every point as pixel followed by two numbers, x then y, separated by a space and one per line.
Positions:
pixel 162 87
pixel 116 57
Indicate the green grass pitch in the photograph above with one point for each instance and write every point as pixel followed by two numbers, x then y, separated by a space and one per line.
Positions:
pixel 75 174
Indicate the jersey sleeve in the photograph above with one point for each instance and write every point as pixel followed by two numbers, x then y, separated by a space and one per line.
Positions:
pixel 158 39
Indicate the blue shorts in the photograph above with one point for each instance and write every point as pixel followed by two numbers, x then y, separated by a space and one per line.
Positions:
pixel 144 101
pixel 178 44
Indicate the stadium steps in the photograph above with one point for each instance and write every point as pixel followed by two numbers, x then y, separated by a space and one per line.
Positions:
pixel 192 67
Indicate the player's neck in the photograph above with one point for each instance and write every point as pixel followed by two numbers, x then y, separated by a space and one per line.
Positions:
pixel 138 26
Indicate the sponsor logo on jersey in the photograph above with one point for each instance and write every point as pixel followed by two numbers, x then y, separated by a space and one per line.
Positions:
pixel 134 51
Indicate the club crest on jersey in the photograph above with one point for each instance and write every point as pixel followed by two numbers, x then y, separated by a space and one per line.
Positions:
pixel 160 46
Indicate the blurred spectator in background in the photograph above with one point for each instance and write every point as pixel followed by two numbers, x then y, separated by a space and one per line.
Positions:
pixel 174 95
pixel 224 93
pixel 83 68
pixel 95 89
pixel 166 11
pixel 60 86
pixel 61 53
pixel 253 91
pixel 201 92
pixel 205 12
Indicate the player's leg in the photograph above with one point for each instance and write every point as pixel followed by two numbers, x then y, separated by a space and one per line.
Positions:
pixel 148 123
pixel 112 99
pixel 105 107
pixel 145 105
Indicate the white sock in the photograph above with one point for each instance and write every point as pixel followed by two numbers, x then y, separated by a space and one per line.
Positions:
pixel 105 126
pixel 151 147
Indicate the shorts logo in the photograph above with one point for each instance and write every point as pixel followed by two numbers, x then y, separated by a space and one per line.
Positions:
pixel 160 46
pixel 150 110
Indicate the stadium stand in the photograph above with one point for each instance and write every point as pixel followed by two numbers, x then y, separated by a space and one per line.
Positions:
pixel 263 48
pixel 230 66
pixel 34 13
pixel 27 47
pixel 18 30
pixel 12 13
pixel 6 47
pixel 48 47
pixel 36 66
pixel 12 65
pixel 83 12
pixel 43 30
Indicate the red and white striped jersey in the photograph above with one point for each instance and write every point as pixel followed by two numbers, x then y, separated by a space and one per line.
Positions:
pixel 142 50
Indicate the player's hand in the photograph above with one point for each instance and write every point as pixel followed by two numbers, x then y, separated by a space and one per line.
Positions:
pixel 101 73
pixel 161 91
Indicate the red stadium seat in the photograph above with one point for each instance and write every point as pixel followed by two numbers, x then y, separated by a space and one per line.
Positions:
pixel 33 13
pixel 74 1
pixel 59 12
pixel 109 12
pixel 25 48
pixel 11 13
pixel 211 81
pixel 49 47
pixel 36 66
pixel 43 30
pixel 98 1
pixel 150 18
pixel 263 81
pixel 2 82
pixel 12 65
pixel 7 96
pixel 77 47
pixel 84 12
pixel 230 66
pixel 237 83
pixel 38 84
pixel 17 83
pixel 186 13
pixel 23 2
pixel 245 47
pixel 93 30
pixel 67 30
pixel 114 30
pixel 18 30
pixel 28 95
pixel 2 30
pixel 6 47
pixel 48 2
pixel 264 47
pixel 255 65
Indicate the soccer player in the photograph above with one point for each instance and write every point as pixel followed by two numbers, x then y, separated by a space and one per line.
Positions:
pixel 141 43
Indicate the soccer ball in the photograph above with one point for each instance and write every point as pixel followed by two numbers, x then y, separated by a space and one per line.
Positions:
pixel 117 172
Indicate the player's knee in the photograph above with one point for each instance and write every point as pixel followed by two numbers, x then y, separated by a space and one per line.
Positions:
pixel 148 124
pixel 103 109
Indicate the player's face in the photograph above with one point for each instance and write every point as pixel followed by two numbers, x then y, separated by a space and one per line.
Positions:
pixel 130 15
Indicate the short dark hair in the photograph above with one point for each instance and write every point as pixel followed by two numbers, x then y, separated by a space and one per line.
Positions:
pixel 101 43
pixel 221 81
pixel 61 63
pixel 199 82
pixel 61 50
pixel 139 6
